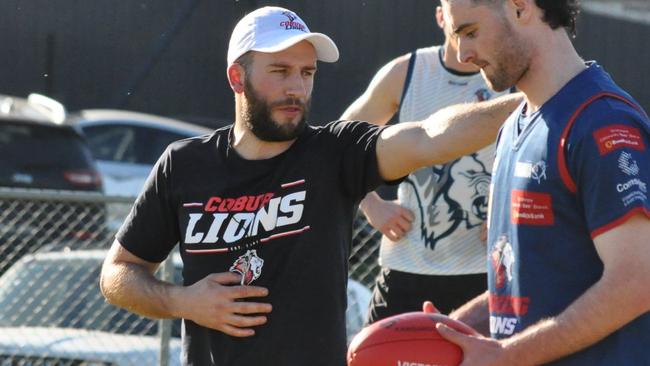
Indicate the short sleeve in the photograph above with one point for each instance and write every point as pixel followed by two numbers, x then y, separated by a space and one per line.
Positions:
pixel 359 170
pixel 150 231
pixel 610 159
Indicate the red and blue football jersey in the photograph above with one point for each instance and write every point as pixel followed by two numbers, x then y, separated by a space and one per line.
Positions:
pixel 564 174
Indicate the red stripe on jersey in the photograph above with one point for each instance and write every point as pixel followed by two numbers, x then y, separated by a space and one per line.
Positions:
pixel 561 158
pixel 618 222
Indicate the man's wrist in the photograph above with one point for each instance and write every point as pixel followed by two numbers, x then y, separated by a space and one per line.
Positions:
pixel 513 352
pixel 174 300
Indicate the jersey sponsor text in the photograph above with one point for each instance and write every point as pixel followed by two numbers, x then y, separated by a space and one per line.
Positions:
pixel 632 183
pixel 531 208
pixel 613 137
pixel 508 305
pixel 502 325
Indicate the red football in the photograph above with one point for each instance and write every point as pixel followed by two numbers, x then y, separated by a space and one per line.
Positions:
pixel 408 339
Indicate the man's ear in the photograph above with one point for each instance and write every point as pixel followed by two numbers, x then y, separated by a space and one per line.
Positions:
pixel 440 19
pixel 236 75
pixel 522 9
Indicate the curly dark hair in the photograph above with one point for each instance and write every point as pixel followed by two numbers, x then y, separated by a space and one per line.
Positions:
pixel 557 13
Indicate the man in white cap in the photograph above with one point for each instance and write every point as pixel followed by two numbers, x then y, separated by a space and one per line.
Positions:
pixel 263 209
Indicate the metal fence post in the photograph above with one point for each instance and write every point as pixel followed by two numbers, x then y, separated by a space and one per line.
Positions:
pixel 165 325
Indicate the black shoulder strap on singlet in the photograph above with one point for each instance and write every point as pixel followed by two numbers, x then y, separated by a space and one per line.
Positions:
pixel 407 81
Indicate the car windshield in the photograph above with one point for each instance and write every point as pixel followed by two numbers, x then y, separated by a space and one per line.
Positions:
pixel 119 141
pixel 64 292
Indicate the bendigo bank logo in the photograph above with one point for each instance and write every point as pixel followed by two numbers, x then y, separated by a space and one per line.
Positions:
pixel 614 137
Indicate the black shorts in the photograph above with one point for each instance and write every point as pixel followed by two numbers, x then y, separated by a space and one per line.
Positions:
pixel 400 292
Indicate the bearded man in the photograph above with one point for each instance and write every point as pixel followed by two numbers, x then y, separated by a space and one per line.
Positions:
pixel 263 209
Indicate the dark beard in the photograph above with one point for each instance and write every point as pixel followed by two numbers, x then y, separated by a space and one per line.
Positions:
pixel 257 117
pixel 513 62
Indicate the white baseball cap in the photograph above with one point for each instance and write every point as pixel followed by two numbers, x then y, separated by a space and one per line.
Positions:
pixel 273 29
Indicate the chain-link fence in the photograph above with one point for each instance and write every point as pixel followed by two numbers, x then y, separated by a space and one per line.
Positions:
pixel 52 313
pixel 52 245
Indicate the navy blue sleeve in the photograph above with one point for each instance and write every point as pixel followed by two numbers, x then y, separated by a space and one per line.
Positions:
pixel 610 160
pixel 150 231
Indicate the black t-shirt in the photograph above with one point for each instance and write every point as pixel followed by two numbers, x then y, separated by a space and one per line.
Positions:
pixel 284 222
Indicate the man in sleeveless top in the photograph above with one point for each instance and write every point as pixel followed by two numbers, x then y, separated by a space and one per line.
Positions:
pixel 569 220
pixel 262 210
pixel 432 247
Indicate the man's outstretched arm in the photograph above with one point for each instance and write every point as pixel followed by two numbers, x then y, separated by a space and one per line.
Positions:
pixel 377 105
pixel 446 135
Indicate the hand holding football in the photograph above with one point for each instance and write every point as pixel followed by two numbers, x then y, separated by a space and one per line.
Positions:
pixel 408 339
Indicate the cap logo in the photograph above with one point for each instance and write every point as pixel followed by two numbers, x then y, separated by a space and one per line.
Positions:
pixel 289 15
pixel 292 24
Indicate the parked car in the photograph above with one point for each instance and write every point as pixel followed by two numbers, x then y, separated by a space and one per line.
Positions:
pixel 53 313
pixel 38 151
pixel 52 309
pixel 127 144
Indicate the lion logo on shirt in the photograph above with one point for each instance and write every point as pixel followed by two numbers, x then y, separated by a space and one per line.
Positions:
pixel 249 266
pixel 450 196
pixel 502 259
